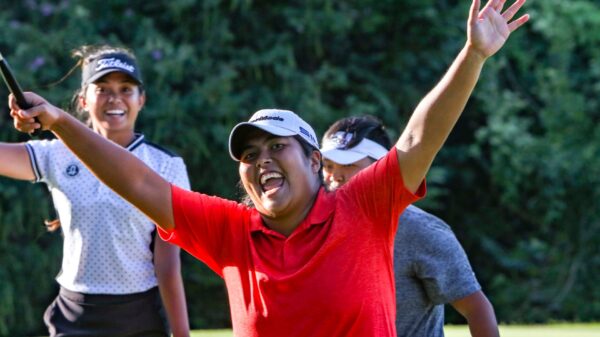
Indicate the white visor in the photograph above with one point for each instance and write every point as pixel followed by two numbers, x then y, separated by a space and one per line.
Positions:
pixel 334 149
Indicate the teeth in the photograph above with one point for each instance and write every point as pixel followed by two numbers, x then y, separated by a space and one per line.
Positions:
pixel 334 185
pixel 115 112
pixel 265 177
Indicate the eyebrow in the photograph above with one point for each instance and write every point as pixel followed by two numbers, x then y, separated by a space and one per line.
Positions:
pixel 269 137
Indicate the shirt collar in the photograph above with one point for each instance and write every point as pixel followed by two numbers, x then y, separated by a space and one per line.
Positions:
pixel 320 212
pixel 137 140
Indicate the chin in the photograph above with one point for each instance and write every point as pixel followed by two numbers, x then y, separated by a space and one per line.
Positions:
pixel 270 208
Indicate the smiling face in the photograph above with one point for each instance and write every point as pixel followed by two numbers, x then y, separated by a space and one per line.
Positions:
pixel 114 102
pixel 335 175
pixel 280 179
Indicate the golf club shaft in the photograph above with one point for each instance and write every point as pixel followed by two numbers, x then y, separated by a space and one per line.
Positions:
pixel 14 88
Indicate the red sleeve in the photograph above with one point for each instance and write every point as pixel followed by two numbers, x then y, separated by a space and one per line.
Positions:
pixel 209 228
pixel 379 192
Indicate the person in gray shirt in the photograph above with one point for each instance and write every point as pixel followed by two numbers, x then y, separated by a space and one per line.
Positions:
pixel 431 268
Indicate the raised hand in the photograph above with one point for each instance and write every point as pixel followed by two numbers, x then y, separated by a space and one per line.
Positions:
pixel 24 120
pixel 489 28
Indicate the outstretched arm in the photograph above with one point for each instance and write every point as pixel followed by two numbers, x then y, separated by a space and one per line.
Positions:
pixel 15 162
pixel 437 113
pixel 114 166
pixel 479 314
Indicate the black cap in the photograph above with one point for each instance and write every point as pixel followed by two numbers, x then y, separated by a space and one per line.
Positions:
pixel 108 63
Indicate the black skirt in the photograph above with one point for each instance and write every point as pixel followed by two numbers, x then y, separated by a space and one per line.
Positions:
pixel 75 314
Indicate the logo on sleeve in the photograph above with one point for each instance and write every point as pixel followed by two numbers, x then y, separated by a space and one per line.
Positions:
pixel 72 170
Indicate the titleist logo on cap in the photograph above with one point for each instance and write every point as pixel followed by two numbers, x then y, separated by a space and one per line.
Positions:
pixel 114 63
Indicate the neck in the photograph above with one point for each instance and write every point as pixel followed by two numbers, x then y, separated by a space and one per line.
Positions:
pixel 122 138
pixel 287 224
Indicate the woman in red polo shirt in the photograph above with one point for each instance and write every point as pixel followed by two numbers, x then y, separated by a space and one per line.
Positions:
pixel 301 262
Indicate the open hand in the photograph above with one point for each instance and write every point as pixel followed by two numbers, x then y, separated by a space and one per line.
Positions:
pixel 489 28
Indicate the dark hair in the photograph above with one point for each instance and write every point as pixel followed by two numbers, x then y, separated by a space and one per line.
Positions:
pixel 306 148
pixel 52 225
pixel 361 127
pixel 85 54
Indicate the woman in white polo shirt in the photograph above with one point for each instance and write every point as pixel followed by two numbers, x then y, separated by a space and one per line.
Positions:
pixel 114 270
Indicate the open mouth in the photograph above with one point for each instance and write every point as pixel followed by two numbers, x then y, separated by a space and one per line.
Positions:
pixel 334 185
pixel 271 181
pixel 115 112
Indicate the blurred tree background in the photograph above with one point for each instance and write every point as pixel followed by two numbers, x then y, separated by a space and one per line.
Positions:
pixel 518 180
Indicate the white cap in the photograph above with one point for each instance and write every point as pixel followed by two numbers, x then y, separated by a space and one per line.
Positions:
pixel 334 149
pixel 274 121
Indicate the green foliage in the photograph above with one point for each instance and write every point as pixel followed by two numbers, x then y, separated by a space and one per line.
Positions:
pixel 526 150
pixel 538 154
pixel 29 257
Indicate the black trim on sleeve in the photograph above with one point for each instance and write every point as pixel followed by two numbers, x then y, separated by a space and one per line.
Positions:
pixel 33 162
pixel 153 242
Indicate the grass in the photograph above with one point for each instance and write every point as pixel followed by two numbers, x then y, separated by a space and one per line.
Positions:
pixel 211 333
pixel 550 330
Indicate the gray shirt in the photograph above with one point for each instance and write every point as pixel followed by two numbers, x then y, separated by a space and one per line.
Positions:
pixel 431 268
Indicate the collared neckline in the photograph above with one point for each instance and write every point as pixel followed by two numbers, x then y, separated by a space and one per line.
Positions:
pixel 138 139
pixel 320 212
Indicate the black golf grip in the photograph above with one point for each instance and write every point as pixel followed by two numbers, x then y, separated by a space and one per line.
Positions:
pixel 15 89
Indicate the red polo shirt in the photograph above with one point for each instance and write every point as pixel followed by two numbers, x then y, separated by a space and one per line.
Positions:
pixel 332 276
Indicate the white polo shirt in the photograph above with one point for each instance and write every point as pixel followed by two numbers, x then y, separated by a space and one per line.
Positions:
pixel 108 243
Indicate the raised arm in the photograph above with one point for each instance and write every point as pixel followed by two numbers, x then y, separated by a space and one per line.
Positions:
pixel 114 166
pixel 15 162
pixel 436 114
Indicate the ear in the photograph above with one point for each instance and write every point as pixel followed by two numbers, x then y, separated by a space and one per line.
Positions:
pixel 315 161
pixel 82 101
pixel 142 99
